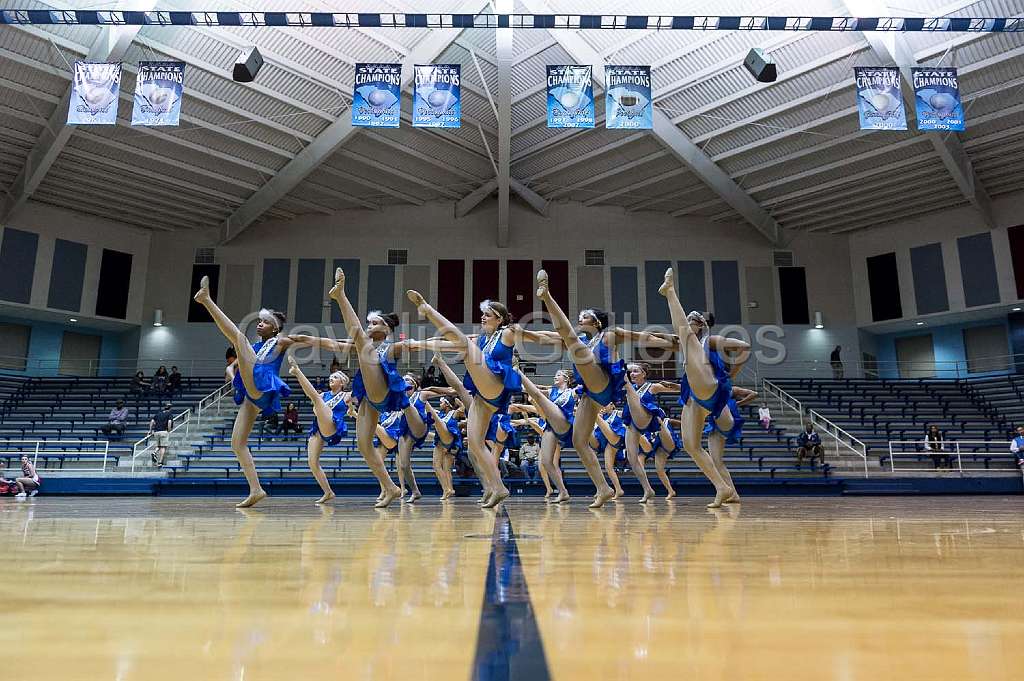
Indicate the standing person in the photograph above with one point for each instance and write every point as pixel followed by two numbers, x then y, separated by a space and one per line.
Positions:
pixel 29 482
pixel 934 445
pixel 160 428
pixel 836 360
pixel 329 425
pixel 491 379
pixel 257 383
pixel 1017 447
pixel 706 385
pixel 808 444
pixel 447 442
pixel 764 415
pixel 117 421
pixel 643 418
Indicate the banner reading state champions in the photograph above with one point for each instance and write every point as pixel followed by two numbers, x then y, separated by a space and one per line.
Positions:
pixel 158 88
pixel 879 100
pixel 570 97
pixel 95 88
pixel 937 94
pixel 376 96
pixel 437 100
pixel 628 97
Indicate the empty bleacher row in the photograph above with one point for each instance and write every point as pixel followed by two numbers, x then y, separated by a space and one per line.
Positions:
pixel 973 415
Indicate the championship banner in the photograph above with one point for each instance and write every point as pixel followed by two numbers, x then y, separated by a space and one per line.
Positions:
pixel 377 96
pixel 437 99
pixel 95 88
pixel 158 88
pixel 570 97
pixel 628 97
pixel 937 95
pixel 879 100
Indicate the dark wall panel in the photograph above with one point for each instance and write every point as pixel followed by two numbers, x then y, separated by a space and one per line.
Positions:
pixel 309 291
pixel 380 288
pixel 978 269
pixel 67 276
pixel 793 291
pixel 196 312
pixel 558 273
pixel 519 287
pixel 693 293
pixel 485 283
pixel 451 290
pixel 590 287
pixel 625 295
pixel 276 273
pixel 930 292
pixel 115 281
pixel 657 306
pixel 1016 235
pixel 725 283
pixel 884 287
pixel 17 265
pixel 351 268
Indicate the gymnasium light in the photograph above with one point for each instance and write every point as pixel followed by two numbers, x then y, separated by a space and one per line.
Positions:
pixel 72 320
pixel 920 323
pixel 158 317
pixel 818 323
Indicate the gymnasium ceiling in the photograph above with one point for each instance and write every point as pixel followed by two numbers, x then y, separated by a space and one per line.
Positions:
pixel 793 147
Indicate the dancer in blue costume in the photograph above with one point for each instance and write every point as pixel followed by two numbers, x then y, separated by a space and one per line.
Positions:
pixel 447 441
pixel 597 369
pixel 413 430
pixel 642 417
pixel 557 409
pixel 664 444
pixel 491 380
pixel 258 385
pixel 609 438
pixel 705 388
pixel 329 424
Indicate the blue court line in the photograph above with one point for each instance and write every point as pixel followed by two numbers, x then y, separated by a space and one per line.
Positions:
pixel 508 644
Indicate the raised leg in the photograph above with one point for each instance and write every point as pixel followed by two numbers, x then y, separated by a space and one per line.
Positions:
pixel 369 363
pixel 453 381
pixel 366 426
pixel 549 410
pixel 698 371
pixel 246 355
pixel 586 417
pixel 315 446
pixel 244 421
pixel 324 415
pixel 633 456
pixel 486 382
pixel 609 469
pixel 594 377
pixel 641 417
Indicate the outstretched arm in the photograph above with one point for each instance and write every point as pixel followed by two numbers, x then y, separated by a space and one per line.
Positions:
pixel 532 423
pixel 452 380
pixel 665 387
pixel 644 338
pixel 743 396
pixel 330 344
pixel 543 337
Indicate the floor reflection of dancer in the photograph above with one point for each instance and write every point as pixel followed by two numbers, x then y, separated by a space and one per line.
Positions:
pixel 257 383
pixel 557 408
pixel 705 388
pixel 490 378
pixel 593 353
pixel 329 425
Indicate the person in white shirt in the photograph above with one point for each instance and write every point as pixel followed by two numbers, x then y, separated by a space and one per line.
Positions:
pixel 1017 447
pixel 765 417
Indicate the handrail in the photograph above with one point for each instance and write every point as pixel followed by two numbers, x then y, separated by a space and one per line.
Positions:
pixel 186 417
pixel 837 434
pixel 205 404
pixel 37 451
pixel 211 400
pixel 919 448
pixel 785 399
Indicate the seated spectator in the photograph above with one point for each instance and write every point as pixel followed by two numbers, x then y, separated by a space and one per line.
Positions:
pixel 29 482
pixel 506 463
pixel 808 446
pixel 271 424
pixel 174 382
pixel 933 445
pixel 159 385
pixel 140 384
pixel 530 453
pixel 335 365
pixel 160 428
pixel 765 417
pixel 117 421
pixel 1017 447
pixel 291 420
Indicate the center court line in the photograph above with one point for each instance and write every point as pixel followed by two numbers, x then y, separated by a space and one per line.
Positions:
pixel 508 644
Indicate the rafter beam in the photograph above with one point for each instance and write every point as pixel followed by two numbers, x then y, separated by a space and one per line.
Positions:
pixel 655 179
pixel 503 107
pixel 470 201
pixel 110 45
pixel 335 135
pixel 892 49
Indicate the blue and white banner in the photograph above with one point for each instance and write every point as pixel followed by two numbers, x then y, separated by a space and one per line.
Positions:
pixel 377 96
pixel 937 94
pixel 879 99
pixel 570 97
pixel 95 88
pixel 628 97
pixel 158 88
pixel 437 98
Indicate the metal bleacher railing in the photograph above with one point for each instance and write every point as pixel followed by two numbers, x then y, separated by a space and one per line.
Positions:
pixel 186 421
pixel 960 456
pixel 45 453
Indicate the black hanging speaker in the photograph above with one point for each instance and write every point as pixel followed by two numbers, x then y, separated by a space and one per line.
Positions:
pixel 247 65
pixel 761 66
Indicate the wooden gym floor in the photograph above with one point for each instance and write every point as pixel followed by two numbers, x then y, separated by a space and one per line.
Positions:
pixel 779 588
